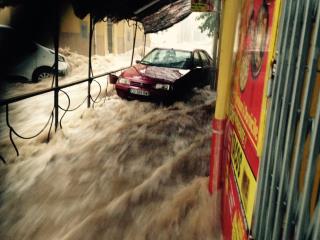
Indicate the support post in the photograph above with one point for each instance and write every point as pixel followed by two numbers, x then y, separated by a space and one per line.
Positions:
pixel 215 47
pixel 90 63
pixel 217 15
pixel 229 20
pixel 56 65
pixel 134 42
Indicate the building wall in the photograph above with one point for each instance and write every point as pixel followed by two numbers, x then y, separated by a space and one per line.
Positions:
pixel 100 38
pixel 123 35
pixel 5 14
pixel 74 34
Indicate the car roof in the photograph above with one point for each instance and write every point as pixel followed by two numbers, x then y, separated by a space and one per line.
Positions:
pixel 198 49
pixel 183 50
pixel 175 49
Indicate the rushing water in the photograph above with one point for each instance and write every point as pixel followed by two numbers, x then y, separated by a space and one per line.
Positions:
pixel 122 170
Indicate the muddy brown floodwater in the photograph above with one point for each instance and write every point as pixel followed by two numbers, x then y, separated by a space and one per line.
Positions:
pixel 123 170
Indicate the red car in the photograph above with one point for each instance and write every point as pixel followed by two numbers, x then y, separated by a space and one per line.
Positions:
pixel 164 74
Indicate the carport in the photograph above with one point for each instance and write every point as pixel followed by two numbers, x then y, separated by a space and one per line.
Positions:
pixel 188 206
pixel 154 15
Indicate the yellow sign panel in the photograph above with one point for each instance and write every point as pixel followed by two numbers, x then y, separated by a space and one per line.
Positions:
pixel 237 227
pixel 246 181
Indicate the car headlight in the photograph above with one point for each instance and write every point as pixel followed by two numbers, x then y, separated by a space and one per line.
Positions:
pixel 61 59
pixel 162 86
pixel 123 80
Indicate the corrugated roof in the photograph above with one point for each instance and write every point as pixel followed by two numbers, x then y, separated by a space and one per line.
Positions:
pixel 166 16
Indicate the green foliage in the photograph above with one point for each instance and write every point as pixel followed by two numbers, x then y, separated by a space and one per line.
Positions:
pixel 209 23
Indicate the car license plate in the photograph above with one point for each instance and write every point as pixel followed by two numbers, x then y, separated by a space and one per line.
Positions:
pixel 139 92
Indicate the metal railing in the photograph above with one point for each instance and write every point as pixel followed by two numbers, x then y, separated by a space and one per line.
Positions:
pixel 53 117
pixel 287 176
pixel 56 89
pixel 4 102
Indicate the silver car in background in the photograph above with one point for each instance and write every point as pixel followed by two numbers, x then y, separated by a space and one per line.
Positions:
pixel 22 57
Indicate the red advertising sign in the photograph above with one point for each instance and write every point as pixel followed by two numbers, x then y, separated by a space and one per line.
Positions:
pixel 252 60
pixel 233 222
pixel 240 183
pixel 254 46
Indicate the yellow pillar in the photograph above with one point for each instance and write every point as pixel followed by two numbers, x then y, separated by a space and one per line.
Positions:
pixel 228 30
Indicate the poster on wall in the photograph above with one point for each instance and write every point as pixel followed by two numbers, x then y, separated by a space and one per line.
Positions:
pixel 254 45
pixel 248 109
pixel 252 60
pixel 201 5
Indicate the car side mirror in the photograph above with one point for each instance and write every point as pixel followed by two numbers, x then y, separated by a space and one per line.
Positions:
pixel 113 79
pixel 138 61
pixel 195 65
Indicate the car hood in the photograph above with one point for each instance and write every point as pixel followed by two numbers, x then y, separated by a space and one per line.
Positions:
pixel 153 73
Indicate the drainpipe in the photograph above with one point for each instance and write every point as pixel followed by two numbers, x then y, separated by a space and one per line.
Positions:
pixel 215 46
pixel 134 42
pixel 217 13
pixel 144 45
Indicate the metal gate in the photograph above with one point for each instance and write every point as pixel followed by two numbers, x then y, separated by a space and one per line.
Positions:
pixel 288 201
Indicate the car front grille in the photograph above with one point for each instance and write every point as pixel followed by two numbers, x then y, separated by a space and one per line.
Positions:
pixel 139 84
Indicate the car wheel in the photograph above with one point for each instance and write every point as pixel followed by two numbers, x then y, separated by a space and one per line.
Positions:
pixel 41 73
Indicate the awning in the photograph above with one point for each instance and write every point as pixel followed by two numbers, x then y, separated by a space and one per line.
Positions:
pixel 166 16
pixel 155 15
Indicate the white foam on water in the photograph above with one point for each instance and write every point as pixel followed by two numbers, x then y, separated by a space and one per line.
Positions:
pixel 120 170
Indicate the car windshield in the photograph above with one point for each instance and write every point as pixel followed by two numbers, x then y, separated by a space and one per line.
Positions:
pixel 168 58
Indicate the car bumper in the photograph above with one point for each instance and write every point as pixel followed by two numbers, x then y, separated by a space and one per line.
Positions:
pixel 140 93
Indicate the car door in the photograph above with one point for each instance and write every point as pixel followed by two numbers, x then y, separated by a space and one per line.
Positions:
pixel 197 71
pixel 208 69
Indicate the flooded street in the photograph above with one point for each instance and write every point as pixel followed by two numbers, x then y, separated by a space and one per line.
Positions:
pixel 121 170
